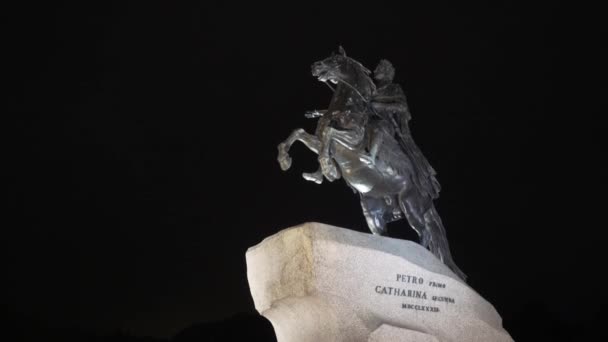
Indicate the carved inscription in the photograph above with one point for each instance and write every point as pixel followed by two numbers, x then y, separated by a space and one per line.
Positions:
pixel 427 293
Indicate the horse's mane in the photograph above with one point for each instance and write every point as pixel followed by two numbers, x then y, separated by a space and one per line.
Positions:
pixel 362 76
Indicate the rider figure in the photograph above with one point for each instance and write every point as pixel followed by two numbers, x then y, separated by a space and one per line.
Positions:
pixel 389 103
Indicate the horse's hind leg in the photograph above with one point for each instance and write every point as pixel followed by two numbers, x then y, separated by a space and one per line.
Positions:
pixel 413 208
pixel 311 141
pixel 375 211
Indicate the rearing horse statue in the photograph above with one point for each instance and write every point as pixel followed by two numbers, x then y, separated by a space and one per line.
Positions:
pixel 373 151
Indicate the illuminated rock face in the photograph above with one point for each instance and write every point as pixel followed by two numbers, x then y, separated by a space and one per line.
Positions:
pixel 319 283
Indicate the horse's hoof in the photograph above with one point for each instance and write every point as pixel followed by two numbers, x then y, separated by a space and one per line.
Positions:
pixel 284 158
pixel 312 177
pixel 285 163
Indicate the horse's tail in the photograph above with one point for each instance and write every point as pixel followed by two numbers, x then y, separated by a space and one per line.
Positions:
pixel 438 241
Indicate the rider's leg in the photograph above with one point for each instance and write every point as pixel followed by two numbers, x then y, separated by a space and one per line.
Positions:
pixel 348 138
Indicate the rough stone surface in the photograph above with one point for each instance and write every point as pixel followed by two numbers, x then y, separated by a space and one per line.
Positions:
pixel 393 334
pixel 318 283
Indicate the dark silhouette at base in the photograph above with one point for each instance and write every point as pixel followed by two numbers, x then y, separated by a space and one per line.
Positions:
pixel 240 327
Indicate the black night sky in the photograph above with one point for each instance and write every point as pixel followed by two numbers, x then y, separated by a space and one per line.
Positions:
pixel 144 159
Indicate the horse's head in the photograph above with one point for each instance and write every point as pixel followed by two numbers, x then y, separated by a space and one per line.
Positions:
pixel 338 68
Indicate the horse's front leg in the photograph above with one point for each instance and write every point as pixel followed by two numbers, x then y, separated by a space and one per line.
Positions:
pixel 311 141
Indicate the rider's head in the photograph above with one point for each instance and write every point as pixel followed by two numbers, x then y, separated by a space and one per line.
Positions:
pixel 384 72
